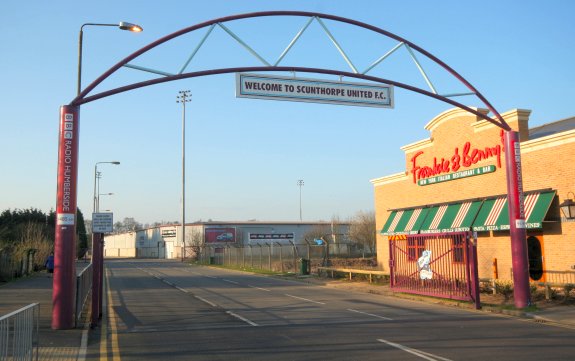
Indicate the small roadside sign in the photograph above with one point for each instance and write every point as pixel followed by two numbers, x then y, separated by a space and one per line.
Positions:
pixel 102 222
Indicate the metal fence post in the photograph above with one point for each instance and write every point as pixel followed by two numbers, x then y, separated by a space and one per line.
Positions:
pixel 308 256
pixel 474 274
pixel 391 263
pixel 261 256
pixel 294 251
pixel 281 258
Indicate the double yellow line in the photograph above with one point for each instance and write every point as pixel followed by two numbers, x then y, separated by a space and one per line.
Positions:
pixel 109 317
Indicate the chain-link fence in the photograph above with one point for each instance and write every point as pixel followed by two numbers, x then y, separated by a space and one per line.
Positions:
pixel 295 258
pixel 16 264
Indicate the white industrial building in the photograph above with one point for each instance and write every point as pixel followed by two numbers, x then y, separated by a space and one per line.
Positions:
pixel 166 241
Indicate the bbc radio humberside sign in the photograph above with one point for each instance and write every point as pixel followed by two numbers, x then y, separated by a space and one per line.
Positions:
pixel 313 90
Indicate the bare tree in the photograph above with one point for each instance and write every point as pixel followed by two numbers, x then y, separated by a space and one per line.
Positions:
pixel 318 231
pixel 362 230
pixel 194 242
pixel 335 235
pixel 129 224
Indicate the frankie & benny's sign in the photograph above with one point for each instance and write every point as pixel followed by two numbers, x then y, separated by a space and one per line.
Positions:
pixel 450 168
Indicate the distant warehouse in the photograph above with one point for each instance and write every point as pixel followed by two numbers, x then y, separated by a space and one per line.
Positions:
pixel 166 241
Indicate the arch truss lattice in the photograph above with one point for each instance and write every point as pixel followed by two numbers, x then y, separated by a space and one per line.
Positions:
pixel 415 53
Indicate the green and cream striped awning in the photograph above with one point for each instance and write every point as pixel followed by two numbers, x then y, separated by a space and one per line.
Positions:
pixel 494 214
pixel 404 221
pixel 478 215
pixel 456 217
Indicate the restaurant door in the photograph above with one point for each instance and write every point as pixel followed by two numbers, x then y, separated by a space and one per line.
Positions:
pixel 536 259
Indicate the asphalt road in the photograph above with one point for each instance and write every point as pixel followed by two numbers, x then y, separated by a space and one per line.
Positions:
pixel 165 310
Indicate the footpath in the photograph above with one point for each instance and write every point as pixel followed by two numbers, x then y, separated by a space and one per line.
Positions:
pixel 37 288
pixel 65 345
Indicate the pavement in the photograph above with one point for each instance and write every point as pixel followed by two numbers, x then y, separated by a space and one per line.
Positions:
pixel 37 288
pixel 67 344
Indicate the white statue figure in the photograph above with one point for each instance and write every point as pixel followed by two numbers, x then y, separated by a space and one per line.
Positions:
pixel 424 267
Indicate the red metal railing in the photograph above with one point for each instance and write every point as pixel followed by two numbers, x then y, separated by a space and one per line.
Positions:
pixel 439 265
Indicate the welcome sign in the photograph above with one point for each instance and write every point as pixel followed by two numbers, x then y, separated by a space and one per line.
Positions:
pixel 313 90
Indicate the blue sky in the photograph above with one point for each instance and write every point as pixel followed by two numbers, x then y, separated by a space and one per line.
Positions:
pixel 244 156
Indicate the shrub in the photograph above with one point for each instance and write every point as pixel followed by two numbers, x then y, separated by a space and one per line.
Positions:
pixel 32 237
pixel 567 288
pixel 505 288
pixel 536 292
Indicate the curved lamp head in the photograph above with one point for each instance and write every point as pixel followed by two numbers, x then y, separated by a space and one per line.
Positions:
pixel 115 162
pixel 130 27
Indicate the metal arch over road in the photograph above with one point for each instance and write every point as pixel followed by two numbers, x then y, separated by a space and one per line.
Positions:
pixel 167 76
pixel 63 292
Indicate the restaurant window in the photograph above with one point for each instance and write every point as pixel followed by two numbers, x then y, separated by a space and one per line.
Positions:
pixel 415 247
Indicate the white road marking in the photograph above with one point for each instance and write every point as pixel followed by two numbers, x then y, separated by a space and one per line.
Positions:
pixel 370 314
pixel 229 281
pixel 241 318
pixel 181 289
pixel 305 299
pixel 210 277
pixel 206 301
pixel 422 354
pixel 84 340
pixel 259 288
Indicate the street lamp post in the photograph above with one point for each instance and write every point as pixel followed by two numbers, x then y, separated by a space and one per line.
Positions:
pixel 63 295
pixel 300 184
pixel 122 25
pixel 102 194
pixel 97 252
pixel 184 97
pixel 97 184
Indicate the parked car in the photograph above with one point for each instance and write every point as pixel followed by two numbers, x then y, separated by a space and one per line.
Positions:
pixel 225 237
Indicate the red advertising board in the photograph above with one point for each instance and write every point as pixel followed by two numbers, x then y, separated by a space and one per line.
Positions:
pixel 220 235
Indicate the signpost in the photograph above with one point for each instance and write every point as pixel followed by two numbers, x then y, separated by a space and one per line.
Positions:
pixel 102 222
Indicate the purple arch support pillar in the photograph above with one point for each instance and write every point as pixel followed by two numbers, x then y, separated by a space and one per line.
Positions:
pixel 64 293
pixel 521 291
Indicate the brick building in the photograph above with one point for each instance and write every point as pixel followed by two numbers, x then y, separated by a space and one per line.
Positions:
pixel 455 181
